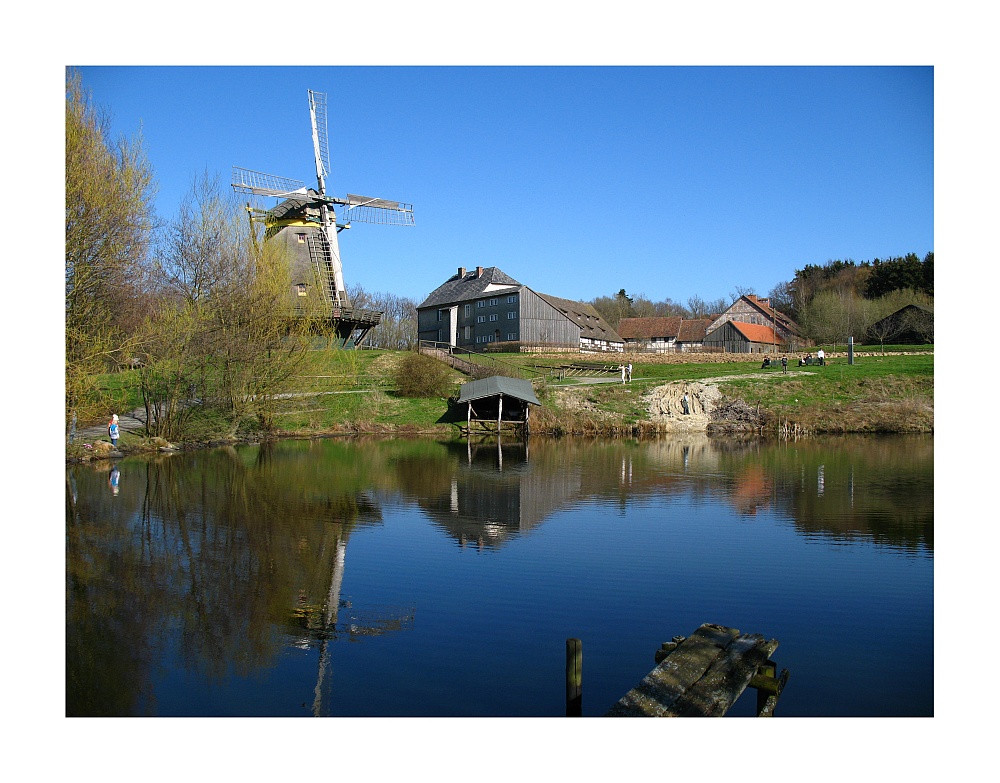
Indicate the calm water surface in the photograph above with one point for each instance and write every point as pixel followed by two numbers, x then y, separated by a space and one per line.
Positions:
pixel 418 578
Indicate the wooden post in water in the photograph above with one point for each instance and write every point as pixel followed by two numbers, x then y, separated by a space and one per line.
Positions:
pixel 574 678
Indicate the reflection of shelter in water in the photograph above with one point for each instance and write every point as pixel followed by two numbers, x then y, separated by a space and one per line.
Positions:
pixel 495 495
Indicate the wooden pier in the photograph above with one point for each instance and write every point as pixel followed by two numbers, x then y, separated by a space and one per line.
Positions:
pixel 703 674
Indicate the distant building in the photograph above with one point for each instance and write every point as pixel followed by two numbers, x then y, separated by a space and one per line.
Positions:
pixel 910 325
pixel 662 335
pixel 751 325
pixel 483 308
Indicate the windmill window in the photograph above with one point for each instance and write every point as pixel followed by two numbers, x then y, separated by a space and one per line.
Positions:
pixel 301 238
pixel 301 289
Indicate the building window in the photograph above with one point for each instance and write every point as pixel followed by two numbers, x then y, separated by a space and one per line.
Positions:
pixel 494 317
pixel 468 332
pixel 468 310
pixel 493 302
pixel 511 335
pixel 512 298
pixel 512 315
pixel 481 303
pixel 480 319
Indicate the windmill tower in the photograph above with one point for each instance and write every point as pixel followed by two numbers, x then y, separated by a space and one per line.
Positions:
pixel 307 222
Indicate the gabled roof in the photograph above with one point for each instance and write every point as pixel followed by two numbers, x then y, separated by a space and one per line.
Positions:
pixel 764 305
pixel 667 327
pixel 585 316
pixel 470 286
pixel 648 328
pixel 498 384
pixel 758 333
pixel 693 331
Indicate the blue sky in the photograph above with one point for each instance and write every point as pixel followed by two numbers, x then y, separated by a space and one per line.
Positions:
pixel 578 181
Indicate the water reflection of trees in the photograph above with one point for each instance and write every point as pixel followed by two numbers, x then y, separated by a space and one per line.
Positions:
pixel 215 549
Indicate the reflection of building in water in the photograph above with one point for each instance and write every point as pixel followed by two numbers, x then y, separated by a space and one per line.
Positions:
pixel 752 489
pixel 494 495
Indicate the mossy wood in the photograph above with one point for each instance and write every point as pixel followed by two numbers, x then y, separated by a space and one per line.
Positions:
pixel 704 674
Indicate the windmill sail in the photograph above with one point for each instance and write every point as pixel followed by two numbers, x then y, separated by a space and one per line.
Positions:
pixel 308 221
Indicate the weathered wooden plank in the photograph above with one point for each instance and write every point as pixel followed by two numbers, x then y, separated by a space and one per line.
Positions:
pixel 766 705
pixel 657 693
pixel 726 679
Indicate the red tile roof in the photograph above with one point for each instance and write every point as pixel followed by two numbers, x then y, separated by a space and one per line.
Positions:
pixel 758 333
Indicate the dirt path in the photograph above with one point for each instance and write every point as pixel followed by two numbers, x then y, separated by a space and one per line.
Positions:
pixel 127 422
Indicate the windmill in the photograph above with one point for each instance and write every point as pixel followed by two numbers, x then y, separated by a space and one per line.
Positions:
pixel 308 221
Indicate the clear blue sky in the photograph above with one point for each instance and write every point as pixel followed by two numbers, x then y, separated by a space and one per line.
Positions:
pixel 577 181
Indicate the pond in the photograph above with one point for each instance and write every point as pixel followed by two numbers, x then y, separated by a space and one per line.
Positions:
pixel 336 577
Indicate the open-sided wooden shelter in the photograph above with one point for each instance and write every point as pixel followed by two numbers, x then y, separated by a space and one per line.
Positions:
pixel 498 400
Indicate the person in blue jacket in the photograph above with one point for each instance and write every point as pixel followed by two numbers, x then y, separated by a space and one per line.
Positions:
pixel 113 431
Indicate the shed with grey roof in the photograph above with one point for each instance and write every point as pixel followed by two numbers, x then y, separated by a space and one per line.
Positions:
pixel 485 402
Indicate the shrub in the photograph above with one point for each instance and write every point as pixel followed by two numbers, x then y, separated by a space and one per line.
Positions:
pixel 421 376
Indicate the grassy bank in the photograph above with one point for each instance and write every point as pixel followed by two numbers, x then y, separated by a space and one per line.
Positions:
pixel 353 392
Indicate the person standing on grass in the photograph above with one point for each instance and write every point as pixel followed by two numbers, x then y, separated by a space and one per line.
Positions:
pixel 628 372
pixel 784 364
pixel 821 357
pixel 113 431
pixel 623 373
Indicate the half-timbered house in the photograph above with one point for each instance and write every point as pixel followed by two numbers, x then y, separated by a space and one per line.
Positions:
pixel 663 334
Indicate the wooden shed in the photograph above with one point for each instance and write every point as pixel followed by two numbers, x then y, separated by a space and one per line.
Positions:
pixel 498 400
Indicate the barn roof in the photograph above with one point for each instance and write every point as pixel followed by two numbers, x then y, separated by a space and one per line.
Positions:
pixel 764 305
pixel 471 285
pixel 647 328
pixel 496 385
pixel 757 333
pixel 584 315
pixel 681 329
pixel 693 331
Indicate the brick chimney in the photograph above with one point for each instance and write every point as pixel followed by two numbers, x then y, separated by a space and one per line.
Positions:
pixel 461 272
pixel 479 271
